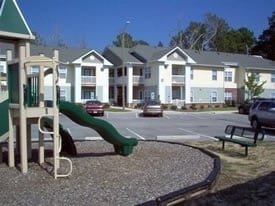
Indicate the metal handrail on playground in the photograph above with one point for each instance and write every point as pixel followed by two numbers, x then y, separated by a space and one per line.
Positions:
pixel 58 151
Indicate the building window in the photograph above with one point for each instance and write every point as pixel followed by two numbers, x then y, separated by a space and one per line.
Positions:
pixel 147 72
pixel 213 97
pixel 192 73
pixel 272 95
pixel 88 71
pixel 214 74
pixel 228 96
pixel 257 76
pixel 140 94
pixel 2 68
pixel 111 92
pixel 63 94
pixel 191 96
pixel 62 72
pixel 228 76
pixel 88 94
pixel 273 77
pixel 147 95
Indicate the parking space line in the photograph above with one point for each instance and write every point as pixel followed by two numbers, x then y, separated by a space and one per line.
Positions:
pixel 197 116
pixel 191 132
pixel 167 117
pixel 177 137
pixel 136 134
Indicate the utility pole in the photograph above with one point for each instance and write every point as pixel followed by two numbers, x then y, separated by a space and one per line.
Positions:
pixel 123 64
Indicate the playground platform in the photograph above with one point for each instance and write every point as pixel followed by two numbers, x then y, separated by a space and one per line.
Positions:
pixel 154 173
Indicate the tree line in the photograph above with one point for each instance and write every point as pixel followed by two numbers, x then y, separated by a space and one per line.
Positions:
pixel 213 34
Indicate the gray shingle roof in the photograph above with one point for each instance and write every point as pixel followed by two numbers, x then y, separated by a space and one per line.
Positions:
pixel 65 54
pixel 114 55
pixel 218 58
pixel 148 53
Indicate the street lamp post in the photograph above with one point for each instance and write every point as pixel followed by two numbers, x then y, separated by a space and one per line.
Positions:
pixel 123 71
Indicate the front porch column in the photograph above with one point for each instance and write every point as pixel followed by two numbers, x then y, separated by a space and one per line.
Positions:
pixel 129 85
pixel 77 83
pixel 115 87
pixel 187 84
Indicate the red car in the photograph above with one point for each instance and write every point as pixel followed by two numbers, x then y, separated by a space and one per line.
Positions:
pixel 94 107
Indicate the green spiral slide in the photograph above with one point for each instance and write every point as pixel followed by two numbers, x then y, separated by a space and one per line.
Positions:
pixel 122 145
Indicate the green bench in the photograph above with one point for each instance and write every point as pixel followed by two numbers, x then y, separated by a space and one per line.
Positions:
pixel 244 136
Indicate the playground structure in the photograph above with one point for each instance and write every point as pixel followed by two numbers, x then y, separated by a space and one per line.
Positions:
pixel 25 104
pixel 27 107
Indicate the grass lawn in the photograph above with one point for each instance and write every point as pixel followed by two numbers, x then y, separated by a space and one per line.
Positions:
pixel 243 180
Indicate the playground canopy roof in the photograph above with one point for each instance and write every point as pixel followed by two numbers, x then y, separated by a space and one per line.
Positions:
pixel 12 22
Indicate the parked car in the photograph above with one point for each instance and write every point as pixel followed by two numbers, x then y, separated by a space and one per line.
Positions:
pixel 262 113
pixel 244 108
pixel 153 108
pixel 94 107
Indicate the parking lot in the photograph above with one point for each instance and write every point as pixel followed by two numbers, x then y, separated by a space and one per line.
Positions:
pixel 173 125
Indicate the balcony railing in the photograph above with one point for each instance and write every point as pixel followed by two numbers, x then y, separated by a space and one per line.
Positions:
pixel 178 79
pixel 138 79
pixel 118 80
pixel 88 80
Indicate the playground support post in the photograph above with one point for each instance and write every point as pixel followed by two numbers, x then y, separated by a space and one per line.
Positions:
pixel 22 120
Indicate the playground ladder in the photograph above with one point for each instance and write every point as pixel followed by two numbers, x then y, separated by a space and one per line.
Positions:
pixel 56 150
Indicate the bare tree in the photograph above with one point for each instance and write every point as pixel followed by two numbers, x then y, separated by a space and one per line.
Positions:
pixel 56 38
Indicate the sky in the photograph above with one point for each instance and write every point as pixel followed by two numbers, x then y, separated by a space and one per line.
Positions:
pixel 99 22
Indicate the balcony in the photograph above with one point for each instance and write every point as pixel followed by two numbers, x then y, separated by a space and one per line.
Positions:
pixel 178 79
pixel 88 80
pixel 138 79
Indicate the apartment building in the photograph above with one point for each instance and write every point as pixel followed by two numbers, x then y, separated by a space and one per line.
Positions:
pixel 184 77
pixel 83 73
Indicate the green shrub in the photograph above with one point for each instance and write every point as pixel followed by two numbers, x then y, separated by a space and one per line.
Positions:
pixel 193 106
pixel 164 106
pixel 106 105
pixel 183 107
pixel 173 107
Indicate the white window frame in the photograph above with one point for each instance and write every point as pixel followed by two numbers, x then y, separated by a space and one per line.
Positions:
pixel 272 79
pixel 214 97
pixel 191 73
pixel 2 68
pixel 62 72
pixel 257 78
pixel 147 95
pixel 228 96
pixel 63 94
pixel 228 76
pixel 214 74
pixel 147 72
pixel 191 96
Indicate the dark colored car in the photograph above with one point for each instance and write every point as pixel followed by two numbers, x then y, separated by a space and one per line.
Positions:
pixel 94 107
pixel 153 108
pixel 262 113
pixel 245 107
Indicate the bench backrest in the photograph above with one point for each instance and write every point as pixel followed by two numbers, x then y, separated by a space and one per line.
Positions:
pixel 244 132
